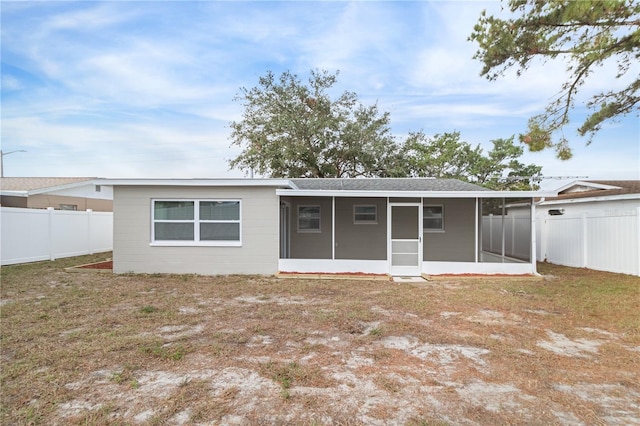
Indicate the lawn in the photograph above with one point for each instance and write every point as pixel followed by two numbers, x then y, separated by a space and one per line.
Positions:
pixel 94 348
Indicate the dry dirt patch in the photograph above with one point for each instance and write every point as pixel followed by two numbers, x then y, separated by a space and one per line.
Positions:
pixel 88 348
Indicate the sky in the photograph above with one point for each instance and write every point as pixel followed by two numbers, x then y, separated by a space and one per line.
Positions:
pixel 143 89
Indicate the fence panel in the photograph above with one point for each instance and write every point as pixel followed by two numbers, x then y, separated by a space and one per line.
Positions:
pixel 563 236
pixel 607 241
pixel 610 246
pixel 29 235
pixel 517 235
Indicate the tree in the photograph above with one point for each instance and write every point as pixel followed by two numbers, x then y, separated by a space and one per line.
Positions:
pixel 446 156
pixel 290 129
pixel 588 33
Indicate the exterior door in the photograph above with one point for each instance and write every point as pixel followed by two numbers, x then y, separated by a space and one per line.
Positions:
pixel 405 245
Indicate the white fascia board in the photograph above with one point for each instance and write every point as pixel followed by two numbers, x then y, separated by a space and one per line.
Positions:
pixel 195 182
pixel 591 199
pixel 14 193
pixel 415 194
pixel 587 184
pixel 60 187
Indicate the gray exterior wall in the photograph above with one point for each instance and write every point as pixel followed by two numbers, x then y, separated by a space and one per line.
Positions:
pixel 311 245
pixel 132 251
pixel 360 241
pixel 456 243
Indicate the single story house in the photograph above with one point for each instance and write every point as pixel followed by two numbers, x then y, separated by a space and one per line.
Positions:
pixel 400 227
pixel 61 193
pixel 591 224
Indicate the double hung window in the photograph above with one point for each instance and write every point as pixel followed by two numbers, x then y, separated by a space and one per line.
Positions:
pixel 308 218
pixel 196 222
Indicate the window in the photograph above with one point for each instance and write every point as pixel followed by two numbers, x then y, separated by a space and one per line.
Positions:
pixel 365 214
pixel 68 207
pixel 196 222
pixel 308 218
pixel 433 218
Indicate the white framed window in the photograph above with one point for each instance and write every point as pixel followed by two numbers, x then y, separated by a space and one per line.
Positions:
pixel 68 207
pixel 365 214
pixel 196 222
pixel 433 218
pixel 309 218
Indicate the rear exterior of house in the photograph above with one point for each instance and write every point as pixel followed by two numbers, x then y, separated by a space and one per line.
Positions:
pixel 406 227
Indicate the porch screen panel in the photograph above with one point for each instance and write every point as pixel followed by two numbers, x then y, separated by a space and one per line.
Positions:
pixel 404 253
pixel 404 223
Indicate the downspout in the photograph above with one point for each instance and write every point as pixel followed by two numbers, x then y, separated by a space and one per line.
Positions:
pixel 534 240
pixel 532 248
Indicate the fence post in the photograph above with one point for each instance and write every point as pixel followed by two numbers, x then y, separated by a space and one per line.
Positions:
pixel 638 240
pixel 89 229
pixel 52 255
pixel 491 232
pixel 585 248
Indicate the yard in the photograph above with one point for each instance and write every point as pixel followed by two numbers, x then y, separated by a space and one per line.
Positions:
pixel 92 348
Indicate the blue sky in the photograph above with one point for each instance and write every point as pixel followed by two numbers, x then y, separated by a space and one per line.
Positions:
pixel 146 89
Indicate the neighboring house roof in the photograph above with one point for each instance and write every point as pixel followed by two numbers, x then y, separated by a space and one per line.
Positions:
pixel 36 185
pixel 598 188
pixel 385 184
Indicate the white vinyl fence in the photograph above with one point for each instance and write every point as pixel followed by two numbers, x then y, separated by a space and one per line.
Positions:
pixel 29 235
pixel 608 241
pixel 517 235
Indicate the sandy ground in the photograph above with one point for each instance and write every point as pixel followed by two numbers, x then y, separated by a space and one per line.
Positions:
pixel 263 358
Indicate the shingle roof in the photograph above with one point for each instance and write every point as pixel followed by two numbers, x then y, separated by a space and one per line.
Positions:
pixel 33 183
pixel 624 187
pixel 386 184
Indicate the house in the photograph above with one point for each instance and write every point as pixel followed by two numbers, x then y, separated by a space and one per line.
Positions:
pixel 61 193
pixel 591 224
pixel 405 227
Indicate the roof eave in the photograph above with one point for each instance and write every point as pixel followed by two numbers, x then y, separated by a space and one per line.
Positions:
pixel 591 199
pixel 413 194
pixel 197 182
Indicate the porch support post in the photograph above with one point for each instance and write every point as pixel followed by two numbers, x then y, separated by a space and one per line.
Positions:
pixel 333 228
pixel 478 218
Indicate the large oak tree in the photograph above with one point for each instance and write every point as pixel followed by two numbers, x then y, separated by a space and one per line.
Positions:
pixel 292 129
pixel 586 34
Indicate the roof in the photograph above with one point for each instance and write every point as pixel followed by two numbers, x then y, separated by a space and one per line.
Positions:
pixel 26 186
pixel 33 183
pixel 597 188
pixel 385 184
pixel 344 187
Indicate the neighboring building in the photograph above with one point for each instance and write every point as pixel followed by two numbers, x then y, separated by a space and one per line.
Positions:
pixel 61 193
pixel 405 227
pixel 592 224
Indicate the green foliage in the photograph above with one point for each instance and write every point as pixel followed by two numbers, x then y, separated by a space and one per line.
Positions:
pixel 586 34
pixel 292 129
pixel 447 156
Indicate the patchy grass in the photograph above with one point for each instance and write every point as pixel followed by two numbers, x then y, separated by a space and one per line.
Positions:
pixel 87 348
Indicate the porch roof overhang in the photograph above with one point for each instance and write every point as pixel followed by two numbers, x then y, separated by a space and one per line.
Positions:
pixel 413 194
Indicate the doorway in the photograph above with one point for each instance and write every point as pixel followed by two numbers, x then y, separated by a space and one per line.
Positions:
pixel 405 243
